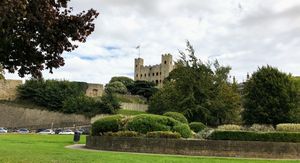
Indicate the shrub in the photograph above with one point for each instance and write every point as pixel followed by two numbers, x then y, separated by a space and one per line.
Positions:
pixel 50 93
pixel 288 127
pixel 107 124
pixel 229 127
pixel 163 134
pixel 122 134
pixel 177 116
pixel 256 136
pixel 144 123
pixel 184 130
pixel 197 126
pixel 262 128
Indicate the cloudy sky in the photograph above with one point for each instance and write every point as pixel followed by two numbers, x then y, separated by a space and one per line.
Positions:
pixel 244 34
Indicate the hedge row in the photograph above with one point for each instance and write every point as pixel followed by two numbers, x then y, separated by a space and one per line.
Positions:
pixel 142 123
pixel 256 136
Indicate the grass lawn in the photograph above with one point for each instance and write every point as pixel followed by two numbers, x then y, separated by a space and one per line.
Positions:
pixel 50 148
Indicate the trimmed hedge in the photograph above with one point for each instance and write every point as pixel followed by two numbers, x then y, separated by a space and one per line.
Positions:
pixel 229 127
pixel 122 134
pixel 288 127
pixel 163 134
pixel 184 130
pixel 177 116
pixel 107 124
pixel 144 123
pixel 256 136
pixel 197 126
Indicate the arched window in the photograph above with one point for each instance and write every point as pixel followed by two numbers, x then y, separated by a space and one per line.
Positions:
pixel 165 62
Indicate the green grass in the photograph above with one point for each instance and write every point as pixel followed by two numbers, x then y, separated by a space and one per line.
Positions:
pixel 131 99
pixel 51 148
pixel 130 112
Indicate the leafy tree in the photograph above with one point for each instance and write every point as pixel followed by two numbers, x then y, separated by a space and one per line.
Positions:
pixel 34 34
pixel 110 103
pixel 201 91
pixel 270 97
pixel 116 87
pixel 143 88
pixel 50 93
pixel 123 79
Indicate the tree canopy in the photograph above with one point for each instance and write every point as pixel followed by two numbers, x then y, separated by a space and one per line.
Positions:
pixel 201 91
pixel 34 34
pixel 270 97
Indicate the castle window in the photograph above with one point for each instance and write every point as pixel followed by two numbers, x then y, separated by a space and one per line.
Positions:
pixel 157 74
pixel 152 74
pixel 137 75
pixel 165 62
pixel 95 92
pixel 141 75
pixel 145 75
pixel 160 73
pixel 135 65
pixel 156 81
pixel 160 81
pixel 149 74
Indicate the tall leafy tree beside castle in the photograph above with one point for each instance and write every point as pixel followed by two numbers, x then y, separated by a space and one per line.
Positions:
pixel 201 91
pixel 270 97
pixel 34 34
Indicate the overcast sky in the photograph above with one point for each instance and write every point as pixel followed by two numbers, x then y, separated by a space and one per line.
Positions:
pixel 244 34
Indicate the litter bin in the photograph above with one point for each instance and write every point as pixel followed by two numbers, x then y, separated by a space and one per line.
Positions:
pixel 76 137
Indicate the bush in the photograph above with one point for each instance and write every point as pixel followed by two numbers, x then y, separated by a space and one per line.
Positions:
pixel 50 93
pixel 163 134
pixel 184 130
pixel 82 105
pixel 107 124
pixel 288 127
pixel 256 136
pixel 177 116
pixel 262 128
pixel 144 123
pixel 197 126
pixel 116 87
pixel 122 134
pixel 229 127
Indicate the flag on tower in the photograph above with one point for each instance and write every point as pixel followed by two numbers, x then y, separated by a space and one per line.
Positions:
pixel 138 47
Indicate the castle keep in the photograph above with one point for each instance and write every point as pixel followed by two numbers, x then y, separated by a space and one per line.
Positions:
pixel 155 73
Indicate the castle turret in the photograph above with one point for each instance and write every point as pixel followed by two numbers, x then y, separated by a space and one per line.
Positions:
pixel 138 64
pixel 166 65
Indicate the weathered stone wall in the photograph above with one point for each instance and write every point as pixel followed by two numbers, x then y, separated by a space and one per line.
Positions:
pixel 16 117
pixel 94 90
pixel 253 149
pixel 155 73
pixel 133 106
pixel 8 89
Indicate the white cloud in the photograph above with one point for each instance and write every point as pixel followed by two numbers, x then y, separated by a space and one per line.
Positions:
pixel 242 34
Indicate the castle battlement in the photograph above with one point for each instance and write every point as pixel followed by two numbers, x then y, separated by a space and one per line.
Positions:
pixel 153 73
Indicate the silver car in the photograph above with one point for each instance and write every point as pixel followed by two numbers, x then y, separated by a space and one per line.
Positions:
pixel 3 130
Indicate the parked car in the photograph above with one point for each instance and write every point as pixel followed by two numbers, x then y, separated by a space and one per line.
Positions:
pixel 57 131
pixel 40 129
pixel 67 132
pixel 47 131
pixel 83 131
pixel 3 130
pixel 23 131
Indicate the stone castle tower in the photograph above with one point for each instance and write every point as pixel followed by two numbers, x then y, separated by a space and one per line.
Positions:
pixel 155 73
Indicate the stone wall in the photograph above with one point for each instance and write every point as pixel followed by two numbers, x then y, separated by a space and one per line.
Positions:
pixel 253 149
pixel 17 117
pixel 133 106
pixel 8 89
pixel 94 90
